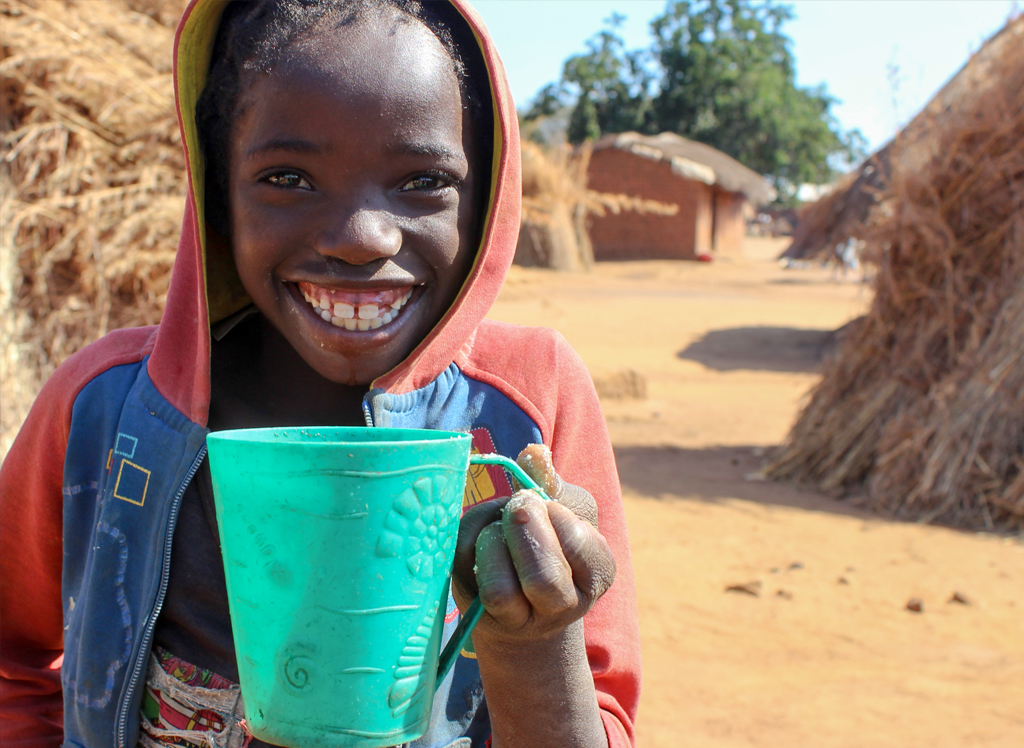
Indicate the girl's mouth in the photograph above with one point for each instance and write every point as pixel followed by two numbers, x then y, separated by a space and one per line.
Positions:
pixel 356 310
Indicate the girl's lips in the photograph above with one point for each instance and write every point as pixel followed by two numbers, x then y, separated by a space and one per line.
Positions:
pixel 380 296
pixel 356 310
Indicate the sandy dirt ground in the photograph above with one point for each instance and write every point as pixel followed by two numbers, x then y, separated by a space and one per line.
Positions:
pixel 817 647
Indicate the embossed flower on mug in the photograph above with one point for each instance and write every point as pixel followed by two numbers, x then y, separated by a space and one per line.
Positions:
pixel 420 528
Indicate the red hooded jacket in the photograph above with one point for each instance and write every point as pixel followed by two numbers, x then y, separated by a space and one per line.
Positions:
pixel 65 492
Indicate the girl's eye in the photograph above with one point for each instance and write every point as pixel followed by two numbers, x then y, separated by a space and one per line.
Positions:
pixel 425 183
pixel 288 179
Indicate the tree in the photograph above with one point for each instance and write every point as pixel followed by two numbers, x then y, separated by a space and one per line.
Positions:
pixel 605 89
pixel 718 71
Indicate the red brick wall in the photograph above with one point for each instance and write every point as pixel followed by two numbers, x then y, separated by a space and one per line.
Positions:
pixel 704 235
pixel 730 228
pixel 632 235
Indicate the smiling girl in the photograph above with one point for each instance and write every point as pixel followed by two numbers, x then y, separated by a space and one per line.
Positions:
pixel 354 207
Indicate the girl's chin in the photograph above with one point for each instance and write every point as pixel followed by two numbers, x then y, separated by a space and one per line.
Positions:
pixel 357 357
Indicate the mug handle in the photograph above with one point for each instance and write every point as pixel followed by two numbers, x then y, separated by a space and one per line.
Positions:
pixel 476 608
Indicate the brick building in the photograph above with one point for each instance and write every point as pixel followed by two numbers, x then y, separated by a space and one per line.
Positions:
pixel 710 188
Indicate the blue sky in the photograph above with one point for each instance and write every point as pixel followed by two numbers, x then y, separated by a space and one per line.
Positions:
pixel 883 59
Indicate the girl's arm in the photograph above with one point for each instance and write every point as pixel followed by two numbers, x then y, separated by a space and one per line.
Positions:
pixel 539 568
pixel 31 635
pixel 553 386
pixel 540 681
pixel 533 704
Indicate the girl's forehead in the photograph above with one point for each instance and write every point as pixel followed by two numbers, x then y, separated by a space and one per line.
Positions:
pixel 402 66
pixel 379 49
pixel 388 86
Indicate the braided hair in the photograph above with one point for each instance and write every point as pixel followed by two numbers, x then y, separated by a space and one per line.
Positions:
pixel 255 36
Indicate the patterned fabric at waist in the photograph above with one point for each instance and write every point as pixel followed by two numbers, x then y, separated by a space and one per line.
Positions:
pixel 188 707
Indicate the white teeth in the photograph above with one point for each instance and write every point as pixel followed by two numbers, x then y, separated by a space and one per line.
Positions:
pixel 352 317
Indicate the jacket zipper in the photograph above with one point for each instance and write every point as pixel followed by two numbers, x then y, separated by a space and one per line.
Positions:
pixel 367 410
pixel 165 573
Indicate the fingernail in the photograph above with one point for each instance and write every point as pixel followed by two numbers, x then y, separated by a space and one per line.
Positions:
pixel 518 507
pixel 538 453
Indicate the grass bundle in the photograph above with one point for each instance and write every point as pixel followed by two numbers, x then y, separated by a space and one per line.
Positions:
pixel 556 203
pixel 552 233
pixel 924 403
pixel 857 201
pixel 92 181
pixel 625 384
pixel 845 212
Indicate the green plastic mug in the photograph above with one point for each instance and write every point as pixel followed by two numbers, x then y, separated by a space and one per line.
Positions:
pixel 338 546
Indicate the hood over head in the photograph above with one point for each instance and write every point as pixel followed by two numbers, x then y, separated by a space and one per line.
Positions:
pixel 204 284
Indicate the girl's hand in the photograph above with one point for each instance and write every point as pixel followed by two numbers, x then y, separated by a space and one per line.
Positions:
pixel 538 566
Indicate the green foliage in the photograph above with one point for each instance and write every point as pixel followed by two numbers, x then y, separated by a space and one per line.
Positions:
pixel 718 71
pixel 608 88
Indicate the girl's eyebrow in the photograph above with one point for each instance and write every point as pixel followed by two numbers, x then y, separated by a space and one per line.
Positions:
pixel 295 145
pixel 428 149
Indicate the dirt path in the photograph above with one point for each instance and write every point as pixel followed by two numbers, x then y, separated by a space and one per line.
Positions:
pixel 824 652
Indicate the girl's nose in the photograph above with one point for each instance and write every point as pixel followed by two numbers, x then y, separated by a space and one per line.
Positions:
pixel 363 236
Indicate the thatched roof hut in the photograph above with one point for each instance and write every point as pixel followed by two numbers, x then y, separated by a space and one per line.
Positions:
pixel 847 210
pixel 712 190
pixel 923 406
pixel 694 160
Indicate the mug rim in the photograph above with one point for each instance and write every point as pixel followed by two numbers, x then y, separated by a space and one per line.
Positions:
pixel 279 435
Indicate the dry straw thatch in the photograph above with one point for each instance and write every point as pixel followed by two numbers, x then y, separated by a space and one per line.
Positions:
pixel 850 209
pixel 924 403
pixel 92 181
pixel 556 203
pixel 844 213
pixel 553 233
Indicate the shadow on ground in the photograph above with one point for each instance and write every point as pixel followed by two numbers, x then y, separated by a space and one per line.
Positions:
pixel 713 474
pixel 788 349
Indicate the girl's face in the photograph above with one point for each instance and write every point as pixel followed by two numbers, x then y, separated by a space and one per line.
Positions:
pixel 353 206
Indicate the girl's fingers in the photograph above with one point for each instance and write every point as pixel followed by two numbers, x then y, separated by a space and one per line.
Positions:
pixel 586 551
pixel 545 576
pixel 531 561
pixel 580 502
pixel 536 461
pixel 473 521
pixel 500 591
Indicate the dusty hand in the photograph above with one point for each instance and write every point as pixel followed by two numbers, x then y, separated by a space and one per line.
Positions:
pixel 538 566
